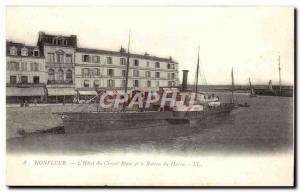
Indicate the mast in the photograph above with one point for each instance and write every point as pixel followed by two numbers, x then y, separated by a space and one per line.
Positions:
pixel 250 83
pixel 279 69
pixel 197 74
pixel 232 86
pixel 127 65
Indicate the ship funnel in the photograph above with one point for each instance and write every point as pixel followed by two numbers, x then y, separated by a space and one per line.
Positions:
pixel 184 80
pixel 270 85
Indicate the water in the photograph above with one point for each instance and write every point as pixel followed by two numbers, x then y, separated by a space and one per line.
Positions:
pixel 264 127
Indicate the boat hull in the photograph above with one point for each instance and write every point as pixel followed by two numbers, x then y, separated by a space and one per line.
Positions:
pixel 79 122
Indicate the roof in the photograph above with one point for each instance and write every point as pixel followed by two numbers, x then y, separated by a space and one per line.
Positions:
pixel 61 91
pixel 71 41
pixel 19 46
pixel 124 54
pixel 31 91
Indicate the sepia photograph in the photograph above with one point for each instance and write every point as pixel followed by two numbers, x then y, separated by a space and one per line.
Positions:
pixel 150 96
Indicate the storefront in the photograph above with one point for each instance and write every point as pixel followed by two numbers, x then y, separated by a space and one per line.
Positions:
pixel 25 95
pixel 87 96
pixel 61 95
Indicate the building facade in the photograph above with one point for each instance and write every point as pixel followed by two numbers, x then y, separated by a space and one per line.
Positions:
pixel 100 68
pixel 25 73
pixel 59 52
pixel 66 70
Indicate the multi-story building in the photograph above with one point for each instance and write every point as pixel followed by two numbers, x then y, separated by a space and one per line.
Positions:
pixel 68 71
pixel 59 52
pixel 25 73
pixel 101 68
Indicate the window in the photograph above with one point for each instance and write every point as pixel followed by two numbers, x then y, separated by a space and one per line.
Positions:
pixel 59 58
pixel 148 74
pixel 136 62
pixel 69 58
pixel 51 57
pixel 172 66
pixel 157 65
pixel 96 83
pixel 51 76
pixel 136 83
pixel 123 83
pixel 135 73
pixel 24 51
pixel 157 83
pixel 13 79
pixel 110 72
pixel 148 83
pixel 86 58
pixel 23 66
pixel 69 75
pixel 36 79
pixel 157 74
pixel 59 41
pixel 55 41
pixel 85 72
pixel 173 75
pixel 24 79
pixel 34 67
pixel 65 42
pixel 13 51
pixel 95 72
pixel 122 61
pixel 109 60
pixel 14 66
pixel 111 83
pixel 170 83
pixel 123 73
pixel 86 83
pixel 60 75
pixel 148 64
pixel 36 53
pixel 169 75
pixel 96 59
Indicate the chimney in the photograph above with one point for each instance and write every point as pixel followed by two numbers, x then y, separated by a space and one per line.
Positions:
pixel 184 80
pixel 122 50
pixel 270 85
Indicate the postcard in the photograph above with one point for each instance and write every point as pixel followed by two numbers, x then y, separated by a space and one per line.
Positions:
pixel 150 96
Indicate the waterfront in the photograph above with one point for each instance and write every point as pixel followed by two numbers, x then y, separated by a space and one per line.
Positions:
pixel 265 126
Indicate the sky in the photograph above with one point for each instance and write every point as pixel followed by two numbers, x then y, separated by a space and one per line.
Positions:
pixel 249 39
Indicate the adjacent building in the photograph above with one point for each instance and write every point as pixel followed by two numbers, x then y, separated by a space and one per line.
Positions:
pixel 66 71
pixel 25 73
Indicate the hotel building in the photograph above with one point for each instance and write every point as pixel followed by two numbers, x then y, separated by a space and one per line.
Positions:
pixel 67 70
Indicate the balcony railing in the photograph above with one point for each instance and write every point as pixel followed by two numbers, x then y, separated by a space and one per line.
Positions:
pixel 59 82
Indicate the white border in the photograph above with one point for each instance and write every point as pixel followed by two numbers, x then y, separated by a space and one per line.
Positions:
pixel 4 3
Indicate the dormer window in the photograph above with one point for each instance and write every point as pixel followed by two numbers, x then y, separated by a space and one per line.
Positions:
pixel 24 51
pixel 13 51
pixel 36 53
pixel 55 41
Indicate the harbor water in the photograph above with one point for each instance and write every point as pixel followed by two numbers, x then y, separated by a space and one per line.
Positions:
pixel 266 126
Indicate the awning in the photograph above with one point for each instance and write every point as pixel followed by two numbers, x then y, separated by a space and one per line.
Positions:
pixel 170 90
pixel 61 91
pixel 30 91
pixel 87 92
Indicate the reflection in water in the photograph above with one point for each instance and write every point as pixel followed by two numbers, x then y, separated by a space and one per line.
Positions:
pixel 265 126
